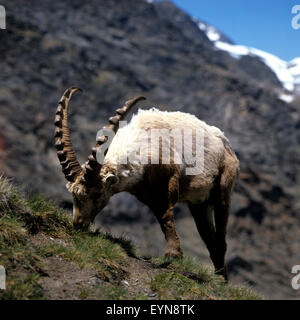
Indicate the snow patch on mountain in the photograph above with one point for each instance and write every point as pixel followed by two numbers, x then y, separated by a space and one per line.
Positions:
pixel 294 68
pixel 288 73
pixel 211 32
pixel 286 97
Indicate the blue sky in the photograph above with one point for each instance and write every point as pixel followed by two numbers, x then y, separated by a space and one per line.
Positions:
pixel 262 24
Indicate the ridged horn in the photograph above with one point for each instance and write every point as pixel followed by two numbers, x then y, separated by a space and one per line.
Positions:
pixel 65 152
pixel 92 168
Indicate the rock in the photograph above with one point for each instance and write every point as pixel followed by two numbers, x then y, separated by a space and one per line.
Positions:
pixel 95 280
pixel 125 283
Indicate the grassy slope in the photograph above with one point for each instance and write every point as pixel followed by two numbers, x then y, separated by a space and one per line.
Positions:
pixel 46 259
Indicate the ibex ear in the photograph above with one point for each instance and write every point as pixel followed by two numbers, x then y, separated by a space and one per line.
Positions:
pixel 111 179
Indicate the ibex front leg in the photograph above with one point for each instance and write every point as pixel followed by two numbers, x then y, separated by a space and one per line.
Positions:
pixel 165 217
pixel 166 221
pixel 159 191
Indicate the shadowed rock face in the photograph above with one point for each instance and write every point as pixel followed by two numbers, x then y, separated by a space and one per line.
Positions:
pixel 115 50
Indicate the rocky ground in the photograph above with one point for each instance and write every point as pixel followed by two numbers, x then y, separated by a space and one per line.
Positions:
pixel 115 50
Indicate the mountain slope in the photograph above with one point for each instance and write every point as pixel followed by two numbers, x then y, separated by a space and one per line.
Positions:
pixel 115 50
pixel 45 258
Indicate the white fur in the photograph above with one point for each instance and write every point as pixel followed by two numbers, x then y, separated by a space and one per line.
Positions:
pixel 129 137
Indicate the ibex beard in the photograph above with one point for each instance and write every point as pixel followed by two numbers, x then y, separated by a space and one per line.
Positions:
pixel 158 185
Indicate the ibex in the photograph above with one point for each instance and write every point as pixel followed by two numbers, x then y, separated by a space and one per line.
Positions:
pixel 159 186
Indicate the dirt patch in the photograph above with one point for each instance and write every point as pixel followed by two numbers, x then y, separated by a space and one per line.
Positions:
pixel 65 279
pixel 141 272
pixel 40 240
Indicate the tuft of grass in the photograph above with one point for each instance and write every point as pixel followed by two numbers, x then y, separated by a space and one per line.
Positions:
pixel 172 285
pixel 11 231
pixel 96 247
pixel 126 244
pixel 188 266
pixel 48 217
pixel 11 199
pixel 108 291
pixel 23 288
pixel 91 251
pixel 85 292
pixel 22 257
pixel 23 270
pixel 187 279
pixel 113 292
pixel 36 213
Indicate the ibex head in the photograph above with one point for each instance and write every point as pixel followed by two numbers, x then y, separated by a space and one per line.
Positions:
pixel 90 186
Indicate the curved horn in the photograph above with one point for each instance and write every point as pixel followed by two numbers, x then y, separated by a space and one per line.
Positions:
pixel 65 152
pixel 92 168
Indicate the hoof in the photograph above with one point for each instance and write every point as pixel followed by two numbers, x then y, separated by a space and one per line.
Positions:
pixel 173 255
pixel 222 272
pixel 168 258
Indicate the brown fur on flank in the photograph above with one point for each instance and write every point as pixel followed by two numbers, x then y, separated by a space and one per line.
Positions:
pixel 159 186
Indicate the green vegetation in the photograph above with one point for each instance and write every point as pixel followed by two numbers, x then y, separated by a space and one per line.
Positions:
pixel 90 250
pixel 22 219
pixel 33 231
pixel 189 280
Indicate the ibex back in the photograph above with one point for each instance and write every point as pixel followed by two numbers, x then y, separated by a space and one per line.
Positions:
pixel 160 186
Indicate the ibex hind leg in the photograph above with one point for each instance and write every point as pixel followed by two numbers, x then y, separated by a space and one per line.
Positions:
pixel 221 218
pixel 222 199
pixel 204 219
